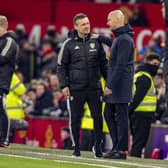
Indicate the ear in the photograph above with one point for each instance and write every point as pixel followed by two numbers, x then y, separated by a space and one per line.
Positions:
pixel 75 27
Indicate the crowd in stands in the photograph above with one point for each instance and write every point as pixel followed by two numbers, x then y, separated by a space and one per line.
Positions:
pixel 37 70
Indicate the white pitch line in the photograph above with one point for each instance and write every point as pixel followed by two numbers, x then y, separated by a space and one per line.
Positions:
pixel 102 160
pixel 89 164
pixel 117 162
pixel 19 156
pixel 59 161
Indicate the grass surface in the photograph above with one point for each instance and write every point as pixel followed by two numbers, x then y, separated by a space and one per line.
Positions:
pixel 22 156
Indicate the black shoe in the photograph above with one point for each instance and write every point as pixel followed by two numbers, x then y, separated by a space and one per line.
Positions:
pixel 109 154
pixel 76 153
pixel 116 155
pixel 98 151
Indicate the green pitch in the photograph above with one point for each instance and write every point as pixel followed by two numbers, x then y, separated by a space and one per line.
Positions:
pixel 22 156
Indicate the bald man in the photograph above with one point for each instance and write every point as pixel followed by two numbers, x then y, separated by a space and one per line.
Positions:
pixel 8 50
pixel 118 91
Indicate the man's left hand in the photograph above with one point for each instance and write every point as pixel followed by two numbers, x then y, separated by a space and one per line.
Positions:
pixel 107 91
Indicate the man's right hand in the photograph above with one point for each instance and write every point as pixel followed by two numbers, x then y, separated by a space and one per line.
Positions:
pixel 94 36
pixel 66 91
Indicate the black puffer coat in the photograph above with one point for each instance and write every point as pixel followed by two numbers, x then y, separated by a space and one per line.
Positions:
pixel 81 63
pixel 8 51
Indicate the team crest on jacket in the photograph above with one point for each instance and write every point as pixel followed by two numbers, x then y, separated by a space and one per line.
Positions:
pixel 92 45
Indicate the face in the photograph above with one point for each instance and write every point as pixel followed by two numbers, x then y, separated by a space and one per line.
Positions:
pixel 64 135
pixel 152 43
pixel 82 26
pixel 158 80
pixel 57 94
pixel 54 80
pixel 2 31
pixel 40 89
pixel 111 22
pixel 31 95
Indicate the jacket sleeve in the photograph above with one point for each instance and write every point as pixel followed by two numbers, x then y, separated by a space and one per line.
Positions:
pixel 9 49
pixel 103 62
pixel 106 40
pixel 17 87
pixel 62 65
pixel 124 49
pixel 143 83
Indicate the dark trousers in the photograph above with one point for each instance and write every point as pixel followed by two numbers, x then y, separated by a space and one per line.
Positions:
pixel 77 101
pixel 116 116
pixel 4 121
pixel 140 127
pixel 87 140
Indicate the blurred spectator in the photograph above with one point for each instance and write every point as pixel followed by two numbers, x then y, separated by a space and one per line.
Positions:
pixel 59 108
pixel 59 97
pixel 29 101
pixel 43 100
pixel 21 35
pixel 33 84
pixel 138 17
pixel 28 61
pixel 51 37
pixel 65 138
pixel 53 82
pixel 161 114
pixel 48 58
pixel 152 46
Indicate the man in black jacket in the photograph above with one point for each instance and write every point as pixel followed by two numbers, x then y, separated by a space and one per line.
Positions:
pixel 118 91
pixel 81 63
pixel 8 50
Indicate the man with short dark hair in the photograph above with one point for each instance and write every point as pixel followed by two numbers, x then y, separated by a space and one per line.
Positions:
pixel 8 51
pixel 81 63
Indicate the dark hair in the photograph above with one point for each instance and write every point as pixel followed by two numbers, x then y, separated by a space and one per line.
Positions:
pixel 152 56
pixel 65 129
pixel 78 16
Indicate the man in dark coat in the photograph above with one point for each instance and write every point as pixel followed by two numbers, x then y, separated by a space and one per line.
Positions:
pixel 8 50
pixel 118 91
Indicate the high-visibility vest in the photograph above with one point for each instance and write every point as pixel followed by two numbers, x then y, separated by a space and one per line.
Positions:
pixel 148 104
pixel 14 104
pixel 87 120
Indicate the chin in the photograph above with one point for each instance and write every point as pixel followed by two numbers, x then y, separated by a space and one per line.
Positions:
pixel 86 33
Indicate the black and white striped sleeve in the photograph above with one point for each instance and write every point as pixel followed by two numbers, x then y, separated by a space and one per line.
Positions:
pixel 62 64
pixel 9 50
